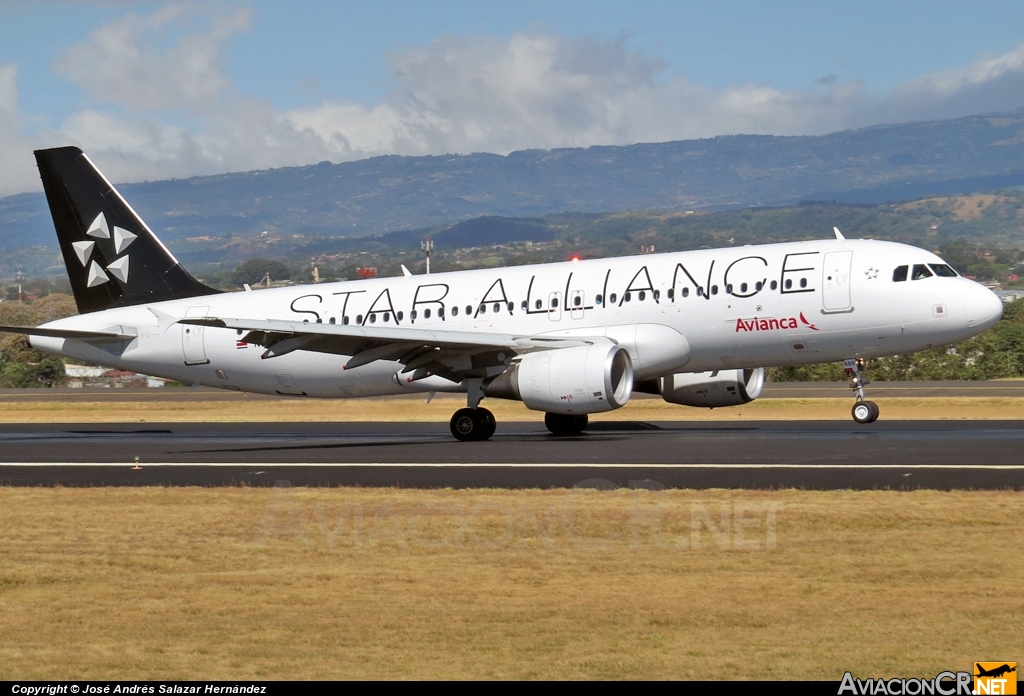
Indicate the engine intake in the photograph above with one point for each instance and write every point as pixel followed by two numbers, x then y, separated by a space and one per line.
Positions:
pixel 583 379
pixel 712 389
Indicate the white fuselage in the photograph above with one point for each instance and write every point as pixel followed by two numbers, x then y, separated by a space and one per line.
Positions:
pixel 754 306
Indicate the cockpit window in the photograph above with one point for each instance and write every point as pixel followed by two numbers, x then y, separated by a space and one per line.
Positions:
pixel 900 274
pixel 920 271
pixel 942 270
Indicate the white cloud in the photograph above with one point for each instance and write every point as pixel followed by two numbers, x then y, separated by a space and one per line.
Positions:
pixel 16 171
pixel 456 94
pixel 125 62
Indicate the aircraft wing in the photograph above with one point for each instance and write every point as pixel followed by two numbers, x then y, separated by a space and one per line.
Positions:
pixel 110 335
pixel 453 355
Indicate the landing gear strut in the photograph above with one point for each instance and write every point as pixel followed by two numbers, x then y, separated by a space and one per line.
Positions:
pixel 864 411
pixel 473 423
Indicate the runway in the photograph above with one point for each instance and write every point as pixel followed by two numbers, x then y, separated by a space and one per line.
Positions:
pixel 768 454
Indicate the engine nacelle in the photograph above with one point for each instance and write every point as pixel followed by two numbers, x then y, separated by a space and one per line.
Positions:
pixel 712 389
pixel 583 379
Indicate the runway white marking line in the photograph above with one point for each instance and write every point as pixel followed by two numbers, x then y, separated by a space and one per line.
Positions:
pixel 436 465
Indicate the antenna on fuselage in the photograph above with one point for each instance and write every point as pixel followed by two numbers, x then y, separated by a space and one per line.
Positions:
pixel 839 235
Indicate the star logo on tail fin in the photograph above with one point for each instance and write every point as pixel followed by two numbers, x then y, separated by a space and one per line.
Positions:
pixel 96 276
pixel 122 239
pixel 99 228
pixel 83 250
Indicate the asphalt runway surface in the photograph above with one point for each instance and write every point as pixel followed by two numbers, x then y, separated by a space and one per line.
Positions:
pixel 767 454
pixel 772 390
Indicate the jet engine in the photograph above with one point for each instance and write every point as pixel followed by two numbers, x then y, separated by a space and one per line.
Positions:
pixel 578 380
pixel 712 389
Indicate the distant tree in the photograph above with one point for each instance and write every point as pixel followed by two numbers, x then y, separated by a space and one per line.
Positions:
pixel 55 306
pixel 22 366
pixel 255 270
pixel 14 313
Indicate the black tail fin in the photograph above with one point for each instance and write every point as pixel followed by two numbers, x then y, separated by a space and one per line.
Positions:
pixel 113 258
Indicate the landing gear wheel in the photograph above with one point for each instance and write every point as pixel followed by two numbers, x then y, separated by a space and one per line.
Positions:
pixel 472 424
pixel 562 424
pixel 865 411
pixel 488 423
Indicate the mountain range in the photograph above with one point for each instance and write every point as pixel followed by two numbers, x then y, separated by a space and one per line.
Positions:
pixel 386 194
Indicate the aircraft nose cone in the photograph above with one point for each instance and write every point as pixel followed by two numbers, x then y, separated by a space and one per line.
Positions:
pixel 984 308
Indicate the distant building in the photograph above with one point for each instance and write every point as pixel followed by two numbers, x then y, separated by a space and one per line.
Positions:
pixel 93 376
pixel 1008 296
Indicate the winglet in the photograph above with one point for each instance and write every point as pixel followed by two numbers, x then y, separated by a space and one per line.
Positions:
pixel 839 235
pixel 405 271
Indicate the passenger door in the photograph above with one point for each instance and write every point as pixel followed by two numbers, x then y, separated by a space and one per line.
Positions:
pixel 835 282
pixel 192 338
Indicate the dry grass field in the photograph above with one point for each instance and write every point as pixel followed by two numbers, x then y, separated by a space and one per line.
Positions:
pixel 442 407
pixel 375 583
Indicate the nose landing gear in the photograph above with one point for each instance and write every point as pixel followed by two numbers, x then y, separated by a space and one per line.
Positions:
pixel 864 411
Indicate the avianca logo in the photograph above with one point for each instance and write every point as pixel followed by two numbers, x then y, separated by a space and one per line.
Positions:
pixel 757 324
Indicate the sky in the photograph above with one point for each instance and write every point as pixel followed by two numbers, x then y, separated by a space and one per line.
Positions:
pixel 154 90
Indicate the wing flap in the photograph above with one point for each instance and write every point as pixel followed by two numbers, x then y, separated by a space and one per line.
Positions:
pixel 453 354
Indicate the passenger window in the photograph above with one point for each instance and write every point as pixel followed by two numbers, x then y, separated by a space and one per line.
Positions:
pixel 900 274
pixel 920 271
pixel 743 287
pixel 511 307
pixel 525 305
pixel 387 316
pixel 426 313
pixel 554 303
pixel 373 318
pixel 412 315
pixel 642 296
pixel 577 301
pixel 329 321
pixel 803 282
pixel 399 316
pixel 440 313
pixel 758 285
pixel 686 292
pixel 496 307
pixel 598 299
pixel 455 311
pixel 728 287
pixel 942 270
pixel 344 320
pixel 611 298
pixel 657 295
pixel 538 304
pixel 483 309
pixel 789 283
pixel 714 289
pixel 359 319
pixel 775 285
pixel 627 297
pixel 700 291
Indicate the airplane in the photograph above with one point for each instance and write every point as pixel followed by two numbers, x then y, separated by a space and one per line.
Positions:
pixel 995 672
pixel 567 339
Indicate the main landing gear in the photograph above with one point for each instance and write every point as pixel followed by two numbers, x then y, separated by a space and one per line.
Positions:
pixel 472 424
pixel 864 411
pixel 564 424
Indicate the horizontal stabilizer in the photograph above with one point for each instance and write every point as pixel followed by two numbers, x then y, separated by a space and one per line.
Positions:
pixel 93 336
